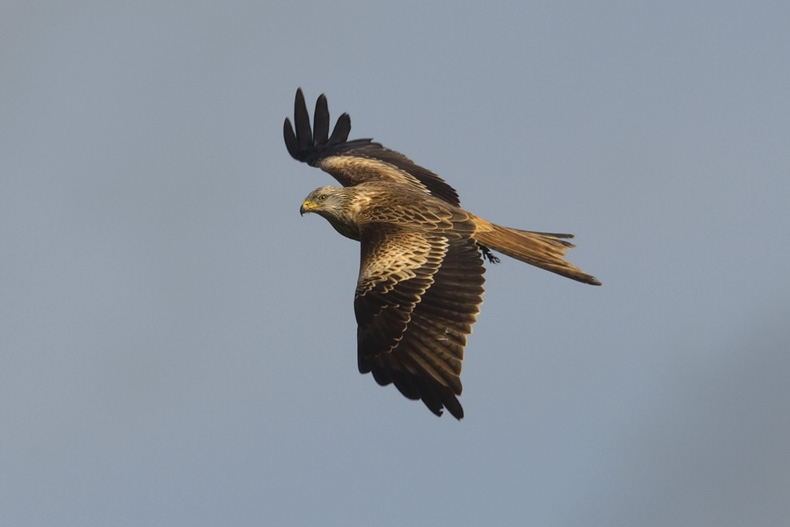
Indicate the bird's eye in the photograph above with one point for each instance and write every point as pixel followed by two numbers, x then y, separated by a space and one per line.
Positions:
pixel 322 197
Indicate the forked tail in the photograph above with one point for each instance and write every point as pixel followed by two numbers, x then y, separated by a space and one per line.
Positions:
pixel 541 249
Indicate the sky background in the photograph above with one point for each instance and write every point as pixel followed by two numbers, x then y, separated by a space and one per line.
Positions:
pixel 177 345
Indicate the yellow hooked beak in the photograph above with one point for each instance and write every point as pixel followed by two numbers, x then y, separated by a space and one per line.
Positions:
pixel 307 206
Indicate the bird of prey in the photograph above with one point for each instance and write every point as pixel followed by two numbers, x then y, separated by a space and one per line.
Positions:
pixel 420 280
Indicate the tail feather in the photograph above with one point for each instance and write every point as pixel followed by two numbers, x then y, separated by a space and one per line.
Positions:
pixel 541 249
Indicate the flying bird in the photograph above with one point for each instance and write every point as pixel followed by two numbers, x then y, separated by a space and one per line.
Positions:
pixel 420 282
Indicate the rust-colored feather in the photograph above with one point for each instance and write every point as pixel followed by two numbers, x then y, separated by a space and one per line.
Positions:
pixel 544 250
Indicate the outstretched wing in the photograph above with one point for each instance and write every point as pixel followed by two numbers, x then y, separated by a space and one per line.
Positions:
pixel 418 294
pixel 356 161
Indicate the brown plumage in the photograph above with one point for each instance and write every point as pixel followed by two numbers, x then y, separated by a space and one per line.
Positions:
pixel 421 280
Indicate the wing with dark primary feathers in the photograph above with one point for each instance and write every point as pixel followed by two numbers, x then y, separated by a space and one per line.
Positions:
pixel 419 292
pixel 356 161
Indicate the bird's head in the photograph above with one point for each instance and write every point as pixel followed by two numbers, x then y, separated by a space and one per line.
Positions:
pixel 323 200
pixel 333 204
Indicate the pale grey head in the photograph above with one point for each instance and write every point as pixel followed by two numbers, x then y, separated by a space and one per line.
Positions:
pixel 333 203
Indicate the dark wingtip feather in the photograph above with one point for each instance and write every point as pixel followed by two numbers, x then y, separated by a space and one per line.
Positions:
pixel 341 131
pixel 291 142
pixel 302 121
pixel 437 398
pixel 321 121
pixel 454 407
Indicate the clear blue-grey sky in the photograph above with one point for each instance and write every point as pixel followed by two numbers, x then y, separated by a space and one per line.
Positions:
pixel 177 345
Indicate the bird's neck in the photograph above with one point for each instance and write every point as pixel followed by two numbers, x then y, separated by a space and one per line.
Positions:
pixel 345 225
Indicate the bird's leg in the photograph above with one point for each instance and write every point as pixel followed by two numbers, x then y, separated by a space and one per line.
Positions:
pixel 488 255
